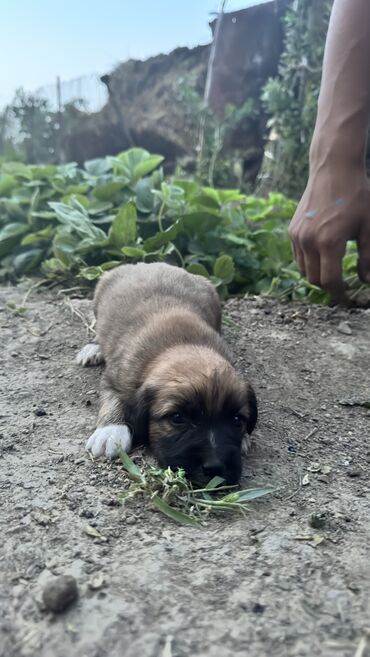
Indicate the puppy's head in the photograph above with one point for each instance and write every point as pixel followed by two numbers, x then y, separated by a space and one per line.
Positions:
pixel 194 410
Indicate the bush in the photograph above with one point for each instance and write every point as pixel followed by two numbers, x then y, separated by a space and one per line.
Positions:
pixel 63 222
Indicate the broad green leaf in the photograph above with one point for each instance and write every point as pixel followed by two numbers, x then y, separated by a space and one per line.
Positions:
pixel 224 269
pixel 199 223
pixel 11 235
pixel 174 514
pixel 136 163
pixel 7 184
pixel 43 172
pixel 97 208
pixel 98 167
pixel 65 245
pixel 27 261
pixel 147 166
pixel 198 269
pixel 133 252
pixel 91 273
pixel 17 169
pixel 144 196
pixel 43 235
pixel 108 191
pixel 79 221
pixel 123 229
pixel 162 238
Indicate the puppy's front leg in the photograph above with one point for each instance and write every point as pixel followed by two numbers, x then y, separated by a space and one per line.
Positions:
pixel 111 435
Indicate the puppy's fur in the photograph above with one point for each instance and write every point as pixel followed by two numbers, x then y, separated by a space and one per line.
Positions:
pixel 168 380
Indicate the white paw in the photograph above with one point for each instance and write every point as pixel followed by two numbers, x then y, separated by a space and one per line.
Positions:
pixel 90 354
pixel 109 440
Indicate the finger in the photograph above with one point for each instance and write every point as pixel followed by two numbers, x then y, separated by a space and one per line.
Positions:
pixel 299 258
pixel 331 276
pixel 363 244
pixel 312 266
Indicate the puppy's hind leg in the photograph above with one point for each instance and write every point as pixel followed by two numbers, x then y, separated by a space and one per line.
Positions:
pixel 111 435
pixel 90 355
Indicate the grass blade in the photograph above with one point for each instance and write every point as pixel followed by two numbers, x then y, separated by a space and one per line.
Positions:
pixel 174 514
pixel 131 468
pixel 215 482
pixel 252 493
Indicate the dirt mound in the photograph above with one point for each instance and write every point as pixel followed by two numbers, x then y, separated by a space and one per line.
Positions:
pixel 143 107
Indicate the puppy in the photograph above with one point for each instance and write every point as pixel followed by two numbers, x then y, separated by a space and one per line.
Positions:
pixel 168 381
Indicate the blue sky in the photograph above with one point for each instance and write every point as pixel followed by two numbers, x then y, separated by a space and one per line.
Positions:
pixel 41 39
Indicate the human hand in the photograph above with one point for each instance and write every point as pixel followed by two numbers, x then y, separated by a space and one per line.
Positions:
pixel 334 208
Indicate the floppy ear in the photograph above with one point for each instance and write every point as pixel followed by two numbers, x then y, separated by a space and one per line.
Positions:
pixel 137 414
pixel 252 410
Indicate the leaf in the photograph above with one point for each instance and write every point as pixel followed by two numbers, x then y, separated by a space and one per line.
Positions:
pixel 65 247
pixel 198 270
pixel 98 167
pixel 43 172
pixel 130 467
pixel 17 169
pixel 199 223
pixel 43 235
pixel 147 166
pixel 123 229
pixel 144 195
pixel 224 268
pixel 94 533
pixel 215 482
pixel 76 218
pixel 136 163
pixel 27 261
pixel 250 494
pixel 174 514
pixel 108 191
pixel 7 184
pixel 133 252
pixel 93 273
pixel 162 238
pixel 10 236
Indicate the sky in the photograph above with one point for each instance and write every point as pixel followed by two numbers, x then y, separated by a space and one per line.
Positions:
pixel 41 39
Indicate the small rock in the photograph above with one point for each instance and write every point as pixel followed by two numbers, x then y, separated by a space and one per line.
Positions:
pixel 59 593
pixel 96 582
pixel 40 411
pixel 345 328
pixel 353 473
pixel 317 520
pixel 131 520
pixel 258 608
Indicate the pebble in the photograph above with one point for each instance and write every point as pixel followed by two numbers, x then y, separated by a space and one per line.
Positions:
pixel 40 411
pixel 59 593
pixel 345 328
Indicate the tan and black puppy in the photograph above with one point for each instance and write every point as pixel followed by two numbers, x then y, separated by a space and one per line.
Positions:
pixel 169 381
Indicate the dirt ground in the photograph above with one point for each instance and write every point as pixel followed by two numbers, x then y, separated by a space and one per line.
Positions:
pixel 266 585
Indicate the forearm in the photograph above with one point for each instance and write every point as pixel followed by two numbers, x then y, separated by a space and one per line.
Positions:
pixel 344 103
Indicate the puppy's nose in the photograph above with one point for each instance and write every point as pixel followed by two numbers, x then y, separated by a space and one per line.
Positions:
pixel 212 467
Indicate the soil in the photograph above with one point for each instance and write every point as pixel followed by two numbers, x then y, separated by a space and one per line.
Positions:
pixel 268 584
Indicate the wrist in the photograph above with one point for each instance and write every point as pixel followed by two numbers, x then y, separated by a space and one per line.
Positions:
pixel 337 148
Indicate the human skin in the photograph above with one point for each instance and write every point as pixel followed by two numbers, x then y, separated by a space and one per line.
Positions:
pixel 335 206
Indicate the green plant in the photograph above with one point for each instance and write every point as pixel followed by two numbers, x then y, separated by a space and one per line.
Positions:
pixel 64 221
pixel 291 98
pixel 198 118
pixel 175 496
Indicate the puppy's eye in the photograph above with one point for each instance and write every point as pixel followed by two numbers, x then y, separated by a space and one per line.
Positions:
pixel 238 420
pixel 177 418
